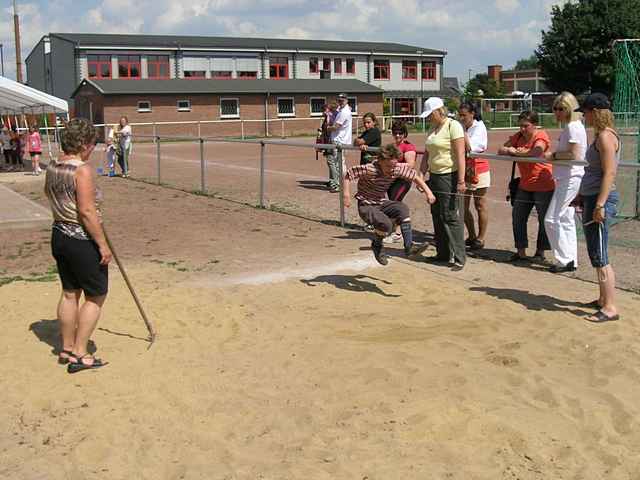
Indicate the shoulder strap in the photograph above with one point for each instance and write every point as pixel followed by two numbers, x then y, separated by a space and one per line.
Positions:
pixel 513 170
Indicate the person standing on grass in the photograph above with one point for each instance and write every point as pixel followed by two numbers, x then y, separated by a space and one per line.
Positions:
pixel 536 184
pixel 477 175
pixel 444 160
pixel 600 199
pixel 341 134
pixel 78 243
pixel 374 179
pixel 559 221
pixel 123 136
pixel 370 137
pixel 34 144
pixel 399 189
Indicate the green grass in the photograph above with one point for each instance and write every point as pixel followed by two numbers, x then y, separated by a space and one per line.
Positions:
pixel 50 275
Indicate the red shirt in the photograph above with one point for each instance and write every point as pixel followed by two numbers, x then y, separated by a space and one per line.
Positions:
pixel 405 147
pixel 534 177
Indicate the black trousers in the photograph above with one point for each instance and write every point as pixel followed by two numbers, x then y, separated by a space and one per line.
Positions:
pixel 447 214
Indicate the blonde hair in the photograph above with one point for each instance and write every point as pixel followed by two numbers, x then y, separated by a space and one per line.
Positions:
pixel 568 103
pixel 602 119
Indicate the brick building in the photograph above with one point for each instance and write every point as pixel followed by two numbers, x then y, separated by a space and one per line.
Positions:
pixel 406 73
pixel 530 82
pixel 220 107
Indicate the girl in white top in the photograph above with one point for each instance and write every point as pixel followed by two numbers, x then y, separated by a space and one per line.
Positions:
pixel 559 221
pixel 124 139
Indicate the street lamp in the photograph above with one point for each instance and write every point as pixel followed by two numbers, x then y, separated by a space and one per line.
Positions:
pixel 2 59
pixel 420 52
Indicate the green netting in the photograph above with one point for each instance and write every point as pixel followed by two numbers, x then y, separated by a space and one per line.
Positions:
pixel 626 105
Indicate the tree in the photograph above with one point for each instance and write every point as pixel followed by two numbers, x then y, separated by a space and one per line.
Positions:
pixel 489 87
pixel 575 53
pixel 527 63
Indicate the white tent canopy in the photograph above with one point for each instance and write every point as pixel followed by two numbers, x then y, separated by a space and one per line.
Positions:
pixel 16 98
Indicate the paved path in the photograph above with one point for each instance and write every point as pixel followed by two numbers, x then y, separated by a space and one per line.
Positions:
pixel 17 211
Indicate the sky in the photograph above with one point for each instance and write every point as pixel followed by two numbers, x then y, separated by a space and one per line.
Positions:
pixel 475 33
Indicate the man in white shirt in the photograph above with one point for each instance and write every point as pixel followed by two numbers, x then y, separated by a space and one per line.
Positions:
pixel 341 134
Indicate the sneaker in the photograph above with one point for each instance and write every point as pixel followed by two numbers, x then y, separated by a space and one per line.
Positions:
pixel 376 246
pixel 369 228
pixel 569 267
pixel 393 238
pixel 456 266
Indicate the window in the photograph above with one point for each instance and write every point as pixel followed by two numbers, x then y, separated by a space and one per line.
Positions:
pixel 158 66
pixel 353 103
pixel 99 66
pixel 129 66
pixel 184 105
pixel 337 66
pixel 221 74
pixel 409 70
pixel 429 70
pixel 326 64
pixel 316 105
pixel 286 107
pixel 247 75
pixel 229 108
pixel 144 106
pixel 381 70
pixel 194 74
pixel 278 67
pixel 351 66
pixel 313 65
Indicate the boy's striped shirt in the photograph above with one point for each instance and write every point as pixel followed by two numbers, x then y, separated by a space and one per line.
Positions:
pixel 373 184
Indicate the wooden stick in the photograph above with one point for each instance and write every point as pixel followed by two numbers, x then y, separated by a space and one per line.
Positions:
pixel 147 322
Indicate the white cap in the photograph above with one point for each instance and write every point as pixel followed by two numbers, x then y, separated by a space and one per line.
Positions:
pixel 431 104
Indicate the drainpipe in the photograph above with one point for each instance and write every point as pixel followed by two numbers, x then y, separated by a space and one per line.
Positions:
pixel 266 114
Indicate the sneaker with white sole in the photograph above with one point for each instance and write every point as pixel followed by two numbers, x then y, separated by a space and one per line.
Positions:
pixel 393 238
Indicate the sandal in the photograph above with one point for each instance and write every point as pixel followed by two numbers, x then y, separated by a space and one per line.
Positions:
pixel 64 360
pixel 601 317
pixel 74 367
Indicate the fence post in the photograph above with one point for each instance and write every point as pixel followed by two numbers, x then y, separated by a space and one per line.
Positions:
pixel 282 121
pixel 158 159
pixel 199 129
pixel 203 185
pixel 155 133
pixel 341 174
pixel 262 154
pixel 242 128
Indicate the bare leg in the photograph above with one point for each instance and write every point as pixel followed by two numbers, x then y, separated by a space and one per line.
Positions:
pixel 68 317
pixel 468 218
pixel 87 320
pixel 607 283
pixel 481 205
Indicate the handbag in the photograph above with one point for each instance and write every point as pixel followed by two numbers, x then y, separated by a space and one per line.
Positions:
pixel 514 183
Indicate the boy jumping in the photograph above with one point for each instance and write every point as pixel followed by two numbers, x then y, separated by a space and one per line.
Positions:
pixel 374 208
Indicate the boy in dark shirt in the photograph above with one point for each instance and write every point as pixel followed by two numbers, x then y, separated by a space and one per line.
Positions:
pixel 374 208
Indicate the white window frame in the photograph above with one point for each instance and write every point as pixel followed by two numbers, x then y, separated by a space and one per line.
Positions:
pixel 293 103
pixel 355 102
pixel 237 114
pixel 183 109
pixel 311 99
pixel 144 110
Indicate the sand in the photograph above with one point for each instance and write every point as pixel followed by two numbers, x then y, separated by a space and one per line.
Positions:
pixel 293 356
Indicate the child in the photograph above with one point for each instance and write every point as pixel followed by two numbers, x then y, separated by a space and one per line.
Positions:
pixel 110 148
pixel 34 144
pixel 374 208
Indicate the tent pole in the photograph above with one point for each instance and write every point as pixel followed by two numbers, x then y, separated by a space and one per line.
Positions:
pixel 46 129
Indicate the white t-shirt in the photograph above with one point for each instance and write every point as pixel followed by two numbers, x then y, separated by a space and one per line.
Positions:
pixel 343 135
pixel 477 134
pixel 125 137
pixel 574 132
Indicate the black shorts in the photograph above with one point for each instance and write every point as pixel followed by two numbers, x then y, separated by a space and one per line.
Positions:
pixel 33 154
pixel 78 264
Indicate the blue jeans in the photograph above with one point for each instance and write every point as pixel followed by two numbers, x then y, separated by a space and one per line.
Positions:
pixel 597 234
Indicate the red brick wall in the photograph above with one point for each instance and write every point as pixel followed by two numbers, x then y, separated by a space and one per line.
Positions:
pixel 207 107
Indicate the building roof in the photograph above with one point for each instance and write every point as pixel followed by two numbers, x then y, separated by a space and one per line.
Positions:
pixel 232 86
pixel 257 44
